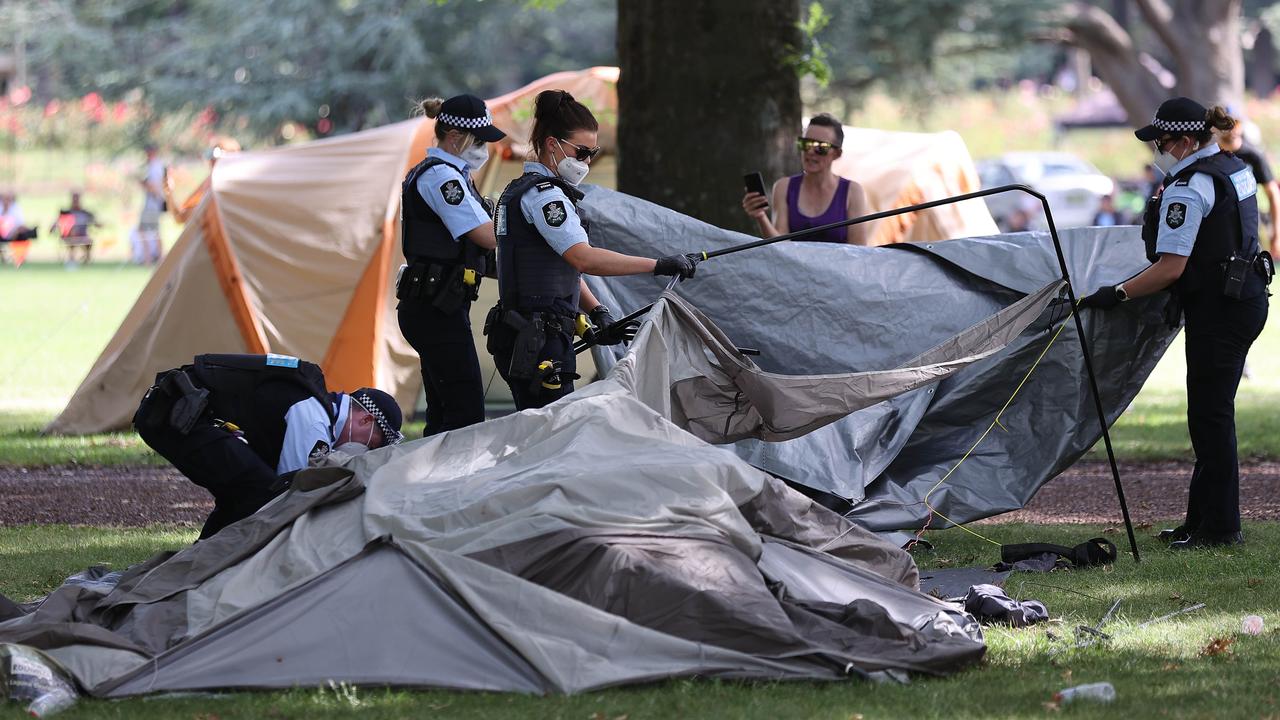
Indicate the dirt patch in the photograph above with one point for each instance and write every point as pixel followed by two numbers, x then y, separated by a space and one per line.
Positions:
pixel 118 496
pixel 1155 492
pixel 136 496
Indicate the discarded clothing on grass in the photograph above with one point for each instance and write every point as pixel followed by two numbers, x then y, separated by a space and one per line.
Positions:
pixel 990 604
pixel 1043 557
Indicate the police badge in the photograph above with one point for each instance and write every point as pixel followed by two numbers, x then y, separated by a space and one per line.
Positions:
pixel 1175 215
pixel 554 213
pixel 452 192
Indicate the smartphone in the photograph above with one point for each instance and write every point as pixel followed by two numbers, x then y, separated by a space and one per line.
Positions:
pixel 754 182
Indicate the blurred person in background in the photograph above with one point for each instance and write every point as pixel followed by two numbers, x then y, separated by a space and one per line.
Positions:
pixel 1234 141
pixel 181 211
pixel 815 197
pixel 1107 215
pixel 72 226
pixel 146 237
pixel 13 227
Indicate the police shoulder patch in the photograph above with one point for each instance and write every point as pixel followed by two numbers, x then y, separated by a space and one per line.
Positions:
pixel 451 191
pixel 554 213
pixel 320 449
pixel 1175 215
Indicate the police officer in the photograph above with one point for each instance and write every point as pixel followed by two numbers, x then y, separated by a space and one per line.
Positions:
pixel 1202 239
pixel 542 252
pixel 447 234
pixel 241 425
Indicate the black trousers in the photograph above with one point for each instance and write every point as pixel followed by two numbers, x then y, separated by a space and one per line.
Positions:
pixel 1219 331
pixel 451 376
pixel 558 347
pixel 240 481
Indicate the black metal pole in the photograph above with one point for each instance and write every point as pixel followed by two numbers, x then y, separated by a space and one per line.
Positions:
pixel 1062 264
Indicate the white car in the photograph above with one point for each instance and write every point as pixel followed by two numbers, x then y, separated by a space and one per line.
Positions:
pixel 1073 187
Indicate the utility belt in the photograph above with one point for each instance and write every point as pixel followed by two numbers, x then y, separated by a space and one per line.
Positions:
pixel 189 406
pixel 524 334
pixel 1236 269
pixel 446 285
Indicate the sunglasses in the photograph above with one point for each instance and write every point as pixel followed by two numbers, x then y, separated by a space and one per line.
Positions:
pixel 580 152
pixel 1162 143
pixel 804 144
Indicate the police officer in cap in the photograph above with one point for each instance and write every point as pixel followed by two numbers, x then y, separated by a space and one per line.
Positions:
pixel 447 235
pixel 240 426
pixel 1202 239
pixel 542 252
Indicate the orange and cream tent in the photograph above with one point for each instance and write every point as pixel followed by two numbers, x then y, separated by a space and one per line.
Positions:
pixel 294 250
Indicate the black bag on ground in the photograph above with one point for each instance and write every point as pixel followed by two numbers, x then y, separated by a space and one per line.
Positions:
pixel 1097 551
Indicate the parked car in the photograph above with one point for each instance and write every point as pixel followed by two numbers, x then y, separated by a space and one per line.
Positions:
pixel 1073 187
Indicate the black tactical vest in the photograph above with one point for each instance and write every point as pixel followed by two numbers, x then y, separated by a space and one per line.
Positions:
pixel 423 235
pixel 1231 225
pixel 255 392
pixel 531 275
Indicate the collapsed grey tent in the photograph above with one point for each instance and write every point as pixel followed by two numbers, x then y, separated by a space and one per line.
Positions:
pixel 817 308
pixel 598 541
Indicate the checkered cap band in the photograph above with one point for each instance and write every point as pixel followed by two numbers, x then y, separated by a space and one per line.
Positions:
pixel 390 434
pixel 466 122
pixel 1174 126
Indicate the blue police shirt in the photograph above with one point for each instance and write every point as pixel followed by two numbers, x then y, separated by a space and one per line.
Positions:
pixel 552 213
pixel 1183 205
pixel 449 195
pixel 306 425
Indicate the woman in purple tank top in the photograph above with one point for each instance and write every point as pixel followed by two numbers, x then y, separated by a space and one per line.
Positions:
pixel 815 197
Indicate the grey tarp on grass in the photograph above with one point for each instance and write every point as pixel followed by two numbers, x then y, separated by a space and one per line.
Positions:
pixel 590 543
pixel 816 308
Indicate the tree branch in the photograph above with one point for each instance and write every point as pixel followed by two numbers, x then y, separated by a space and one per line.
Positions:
pixel 1160 17
pixel 1115 58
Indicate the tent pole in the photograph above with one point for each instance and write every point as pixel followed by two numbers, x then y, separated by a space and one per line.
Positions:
pixel 1062 264
pixel 1093 380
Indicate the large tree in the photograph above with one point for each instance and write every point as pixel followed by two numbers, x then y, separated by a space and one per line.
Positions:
pixel 709 91
pixel 1199 41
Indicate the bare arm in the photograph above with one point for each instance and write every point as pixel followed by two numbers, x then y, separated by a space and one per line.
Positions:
pixel 1272 190
pixel 1161 274
pixel 586 299
pixel 857 206
pixel 482 235
pixel 604 263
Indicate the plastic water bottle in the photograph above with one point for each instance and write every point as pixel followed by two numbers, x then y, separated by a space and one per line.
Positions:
pixel 52 702
pixel 1098 692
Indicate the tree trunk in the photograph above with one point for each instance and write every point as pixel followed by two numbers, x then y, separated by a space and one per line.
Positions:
pixel 1202 37
pixel 1262 64
pixel 706 95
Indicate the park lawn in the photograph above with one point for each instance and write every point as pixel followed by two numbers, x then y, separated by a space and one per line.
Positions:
pixel 1158 671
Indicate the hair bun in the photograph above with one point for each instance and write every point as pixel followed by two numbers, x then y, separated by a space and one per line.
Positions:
pixel 430 106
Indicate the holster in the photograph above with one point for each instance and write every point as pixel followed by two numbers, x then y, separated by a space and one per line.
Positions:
pixel 441 284
pixel 1151 227
pixel 530 337
pixel 190 404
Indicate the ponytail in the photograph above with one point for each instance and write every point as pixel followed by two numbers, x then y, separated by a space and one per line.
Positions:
pixel 431 108
pixel 556 114
pixel 1216 119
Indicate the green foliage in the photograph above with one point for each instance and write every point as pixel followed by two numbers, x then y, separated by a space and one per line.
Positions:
pixel 329 65
pixel 1158 671
pixel 812 58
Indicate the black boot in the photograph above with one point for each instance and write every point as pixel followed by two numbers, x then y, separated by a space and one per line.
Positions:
pixel 1208 540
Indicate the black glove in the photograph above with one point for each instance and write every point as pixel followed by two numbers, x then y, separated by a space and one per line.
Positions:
pixel 1103 298
pixel 683 265
pixel 607 331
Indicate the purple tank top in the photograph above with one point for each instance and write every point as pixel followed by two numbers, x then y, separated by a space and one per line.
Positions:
pixel 838 210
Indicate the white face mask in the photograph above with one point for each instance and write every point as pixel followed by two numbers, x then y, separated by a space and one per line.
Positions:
pixel 571 169
pixel 352 448
pixel 476 156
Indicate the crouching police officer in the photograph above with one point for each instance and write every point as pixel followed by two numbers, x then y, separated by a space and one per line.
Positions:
pixel 241 425
pixel 1202 238
pixel 543 251
pixel 447 235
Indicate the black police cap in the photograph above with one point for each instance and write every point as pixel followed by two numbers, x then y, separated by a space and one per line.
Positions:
pixel 1179 116
pixel 385 411
pixel 468 112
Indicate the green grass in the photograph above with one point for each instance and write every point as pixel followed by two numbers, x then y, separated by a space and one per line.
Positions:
pixel 1157 671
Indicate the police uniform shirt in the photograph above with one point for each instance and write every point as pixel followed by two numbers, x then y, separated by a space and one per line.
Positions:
pixel 1183 206
pixel 447 193
pixel 552 213
pixel 307 430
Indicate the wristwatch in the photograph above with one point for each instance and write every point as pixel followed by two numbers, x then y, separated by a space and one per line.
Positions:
pixel 1121 294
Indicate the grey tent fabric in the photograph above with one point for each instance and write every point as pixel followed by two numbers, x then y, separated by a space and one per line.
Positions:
pixel 590 543
pixel 817 309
